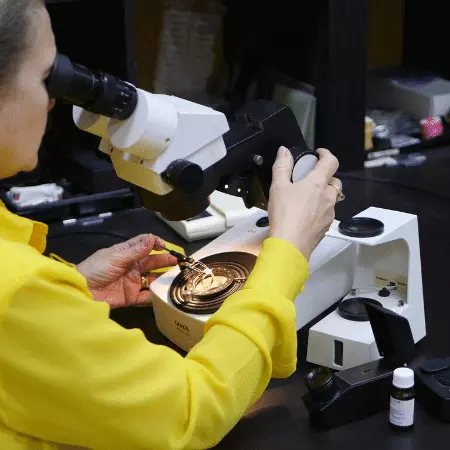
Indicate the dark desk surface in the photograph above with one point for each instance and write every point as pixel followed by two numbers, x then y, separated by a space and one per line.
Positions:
pixel 279 420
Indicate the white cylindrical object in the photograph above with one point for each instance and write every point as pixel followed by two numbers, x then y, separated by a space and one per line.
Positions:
pixel 403 378
pixel 149 131
pixel 304 165
pixel 91 123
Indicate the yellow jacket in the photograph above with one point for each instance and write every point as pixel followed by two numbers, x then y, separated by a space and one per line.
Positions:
pixel 70 375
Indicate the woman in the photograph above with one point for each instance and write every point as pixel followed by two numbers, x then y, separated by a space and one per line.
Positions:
pixel 68 374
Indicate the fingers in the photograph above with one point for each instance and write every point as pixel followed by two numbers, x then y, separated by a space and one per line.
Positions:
pixel 127 253
pixel 159 244
pixel 326 167
pixel 149 240
pixel 333 193
pixel 143 298
pixel 137 244
pixel 157 262
pixel 282 169
pixel 138 247
pixel 336 182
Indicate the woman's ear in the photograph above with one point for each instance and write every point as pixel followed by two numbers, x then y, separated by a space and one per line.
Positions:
pixel 51 104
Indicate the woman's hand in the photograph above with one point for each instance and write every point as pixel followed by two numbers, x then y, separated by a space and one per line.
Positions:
pixel 303 212
pixel 114 275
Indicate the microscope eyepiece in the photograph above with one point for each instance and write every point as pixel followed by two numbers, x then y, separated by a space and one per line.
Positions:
pixel 96 92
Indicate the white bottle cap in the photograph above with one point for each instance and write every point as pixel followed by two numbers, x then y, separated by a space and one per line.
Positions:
pixel 403 378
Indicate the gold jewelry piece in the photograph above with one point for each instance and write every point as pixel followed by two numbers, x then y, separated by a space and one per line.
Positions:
pixel 340 195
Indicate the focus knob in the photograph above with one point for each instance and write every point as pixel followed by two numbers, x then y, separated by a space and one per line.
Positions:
pixel 303 164
pixel 184 175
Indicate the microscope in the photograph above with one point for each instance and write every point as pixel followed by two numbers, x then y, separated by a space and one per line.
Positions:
pixel 178 152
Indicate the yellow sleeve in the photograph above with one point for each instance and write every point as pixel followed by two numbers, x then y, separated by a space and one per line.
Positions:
pixel 68 374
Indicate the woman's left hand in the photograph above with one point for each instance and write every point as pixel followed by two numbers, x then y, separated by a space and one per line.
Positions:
pixel 114 275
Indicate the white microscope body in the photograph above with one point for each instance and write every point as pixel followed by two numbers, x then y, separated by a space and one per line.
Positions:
pixel 162 129
pixel 392 258
pixel 180 152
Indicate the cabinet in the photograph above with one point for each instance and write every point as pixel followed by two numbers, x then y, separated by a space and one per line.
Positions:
pixel 323 43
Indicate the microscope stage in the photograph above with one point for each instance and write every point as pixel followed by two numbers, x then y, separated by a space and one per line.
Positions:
pixel 191 292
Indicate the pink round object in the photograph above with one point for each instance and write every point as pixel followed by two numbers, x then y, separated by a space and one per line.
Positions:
pixel 431 127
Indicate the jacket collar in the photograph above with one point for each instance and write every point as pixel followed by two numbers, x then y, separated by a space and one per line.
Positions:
pixel 19 229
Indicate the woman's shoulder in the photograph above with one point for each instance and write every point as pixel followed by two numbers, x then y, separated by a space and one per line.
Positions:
pixel 21 264
pixel 17 254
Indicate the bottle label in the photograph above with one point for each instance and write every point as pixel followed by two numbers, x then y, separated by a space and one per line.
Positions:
pixel 402 412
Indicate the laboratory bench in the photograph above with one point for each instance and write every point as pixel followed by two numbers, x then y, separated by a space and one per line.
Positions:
pixel 279 420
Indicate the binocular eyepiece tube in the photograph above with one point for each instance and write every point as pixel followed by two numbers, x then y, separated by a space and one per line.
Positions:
pixel 97 92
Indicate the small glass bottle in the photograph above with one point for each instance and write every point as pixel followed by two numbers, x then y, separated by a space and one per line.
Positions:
pixel 401 415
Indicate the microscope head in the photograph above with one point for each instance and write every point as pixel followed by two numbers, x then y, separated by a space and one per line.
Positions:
pixel 176 152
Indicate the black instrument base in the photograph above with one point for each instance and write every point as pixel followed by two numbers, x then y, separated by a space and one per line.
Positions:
pixel 362 392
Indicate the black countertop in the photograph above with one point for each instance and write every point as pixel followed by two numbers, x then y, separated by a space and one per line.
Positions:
pixel 279 419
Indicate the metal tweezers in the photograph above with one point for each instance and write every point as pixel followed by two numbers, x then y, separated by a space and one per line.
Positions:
pixel 196 266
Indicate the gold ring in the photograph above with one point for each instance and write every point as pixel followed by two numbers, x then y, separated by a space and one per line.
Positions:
pixel 145 283
pixel 340 195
